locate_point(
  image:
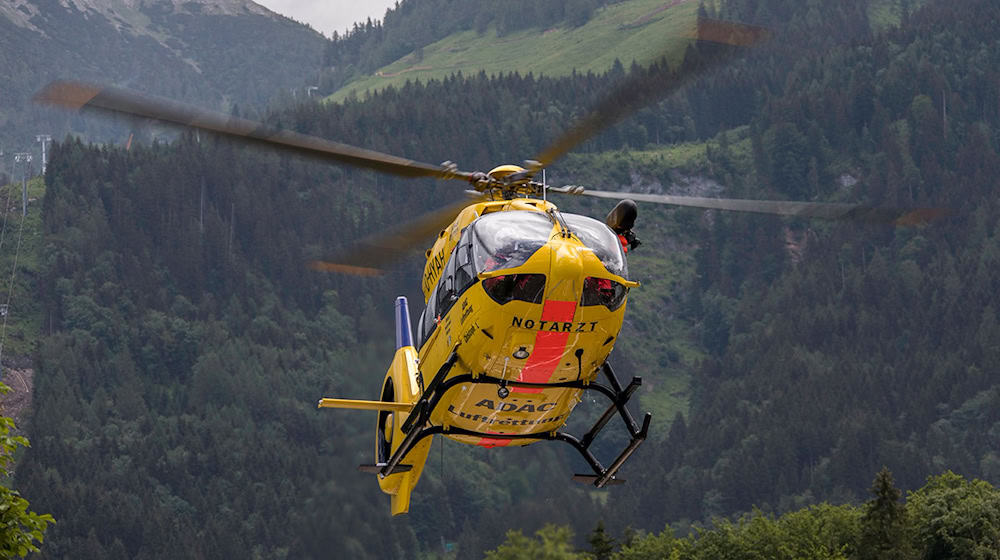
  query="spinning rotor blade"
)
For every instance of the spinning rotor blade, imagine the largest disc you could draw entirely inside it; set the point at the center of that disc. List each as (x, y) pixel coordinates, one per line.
(652, 84)
(368, 256)
(79, 95)
(823, 210)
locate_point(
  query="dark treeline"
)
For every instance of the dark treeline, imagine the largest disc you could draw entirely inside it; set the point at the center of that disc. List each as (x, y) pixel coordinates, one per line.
(186, 344)
(925, 526)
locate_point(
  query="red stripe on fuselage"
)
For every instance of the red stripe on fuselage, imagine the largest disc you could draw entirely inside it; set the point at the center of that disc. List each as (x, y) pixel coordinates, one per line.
(493, 442)
(549, 349)
(562, 311)
(549, 345)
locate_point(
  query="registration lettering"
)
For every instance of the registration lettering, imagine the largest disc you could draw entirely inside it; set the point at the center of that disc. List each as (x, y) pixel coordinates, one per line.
(489, 419)
(554, 326)
(513, 407)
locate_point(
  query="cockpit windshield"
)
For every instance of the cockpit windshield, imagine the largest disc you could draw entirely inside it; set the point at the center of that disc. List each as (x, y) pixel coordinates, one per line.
(508, 239)
(599, 238)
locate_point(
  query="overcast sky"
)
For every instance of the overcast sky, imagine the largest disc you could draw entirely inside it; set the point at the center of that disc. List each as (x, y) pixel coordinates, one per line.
(327, 16)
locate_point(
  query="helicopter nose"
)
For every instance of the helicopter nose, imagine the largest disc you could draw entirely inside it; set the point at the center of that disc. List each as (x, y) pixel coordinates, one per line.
(566, 273)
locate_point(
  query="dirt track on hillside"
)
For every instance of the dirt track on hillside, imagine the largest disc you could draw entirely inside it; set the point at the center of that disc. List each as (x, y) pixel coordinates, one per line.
(15, 402)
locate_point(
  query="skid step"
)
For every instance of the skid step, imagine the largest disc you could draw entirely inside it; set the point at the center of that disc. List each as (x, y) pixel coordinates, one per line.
(592, 478)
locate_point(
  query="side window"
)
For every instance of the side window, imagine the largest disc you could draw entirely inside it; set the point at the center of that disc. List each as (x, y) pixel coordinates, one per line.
(420, 331)
(445, 293)
(457, 276)
(428, 320)
(465, 274)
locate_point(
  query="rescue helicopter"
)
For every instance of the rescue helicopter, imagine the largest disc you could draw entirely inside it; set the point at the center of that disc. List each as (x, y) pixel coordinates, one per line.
(523, 303)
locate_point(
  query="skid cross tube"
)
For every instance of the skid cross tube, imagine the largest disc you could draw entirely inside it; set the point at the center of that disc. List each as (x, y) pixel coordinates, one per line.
(416, 426)
(618, 404)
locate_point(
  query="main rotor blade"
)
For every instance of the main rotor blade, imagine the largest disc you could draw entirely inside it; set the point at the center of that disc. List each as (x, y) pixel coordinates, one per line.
(368, 256)
(652, 84)
(80, 95)
(822, 210)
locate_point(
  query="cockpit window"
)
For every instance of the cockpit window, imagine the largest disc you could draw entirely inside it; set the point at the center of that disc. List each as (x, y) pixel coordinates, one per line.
(508, 239)
(600, 239)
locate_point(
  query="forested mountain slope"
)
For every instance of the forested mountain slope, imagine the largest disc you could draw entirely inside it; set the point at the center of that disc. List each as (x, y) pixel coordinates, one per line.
(876, 346)
(218, 53)
(186, 345)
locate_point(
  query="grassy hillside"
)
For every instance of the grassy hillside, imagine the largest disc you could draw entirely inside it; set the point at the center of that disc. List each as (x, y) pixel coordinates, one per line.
(889, 13)
(639, 30)
(632, 30)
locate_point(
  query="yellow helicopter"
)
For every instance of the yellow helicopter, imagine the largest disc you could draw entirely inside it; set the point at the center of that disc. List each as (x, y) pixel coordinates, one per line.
(524, 303)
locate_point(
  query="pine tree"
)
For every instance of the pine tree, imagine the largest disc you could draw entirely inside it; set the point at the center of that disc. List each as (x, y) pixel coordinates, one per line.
(602, 545)
(883, 525)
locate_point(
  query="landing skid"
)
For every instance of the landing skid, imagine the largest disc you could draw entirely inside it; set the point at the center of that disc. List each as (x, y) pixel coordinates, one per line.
(416, 427)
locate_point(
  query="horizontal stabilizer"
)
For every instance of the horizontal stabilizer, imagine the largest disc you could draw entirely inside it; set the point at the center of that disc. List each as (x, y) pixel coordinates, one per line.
(377, 468)
(365, 405)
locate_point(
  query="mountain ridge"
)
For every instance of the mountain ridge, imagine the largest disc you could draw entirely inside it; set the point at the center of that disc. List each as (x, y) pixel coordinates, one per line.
(214, 53)
(21, 12)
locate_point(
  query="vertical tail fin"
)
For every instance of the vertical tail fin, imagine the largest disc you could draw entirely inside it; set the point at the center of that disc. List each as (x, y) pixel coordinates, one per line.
(404, 335)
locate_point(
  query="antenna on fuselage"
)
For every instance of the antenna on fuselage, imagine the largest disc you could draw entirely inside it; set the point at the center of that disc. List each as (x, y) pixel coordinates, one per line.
(545, 186)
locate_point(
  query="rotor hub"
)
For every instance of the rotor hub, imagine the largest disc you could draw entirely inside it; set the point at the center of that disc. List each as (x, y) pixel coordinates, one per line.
(509, 181)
